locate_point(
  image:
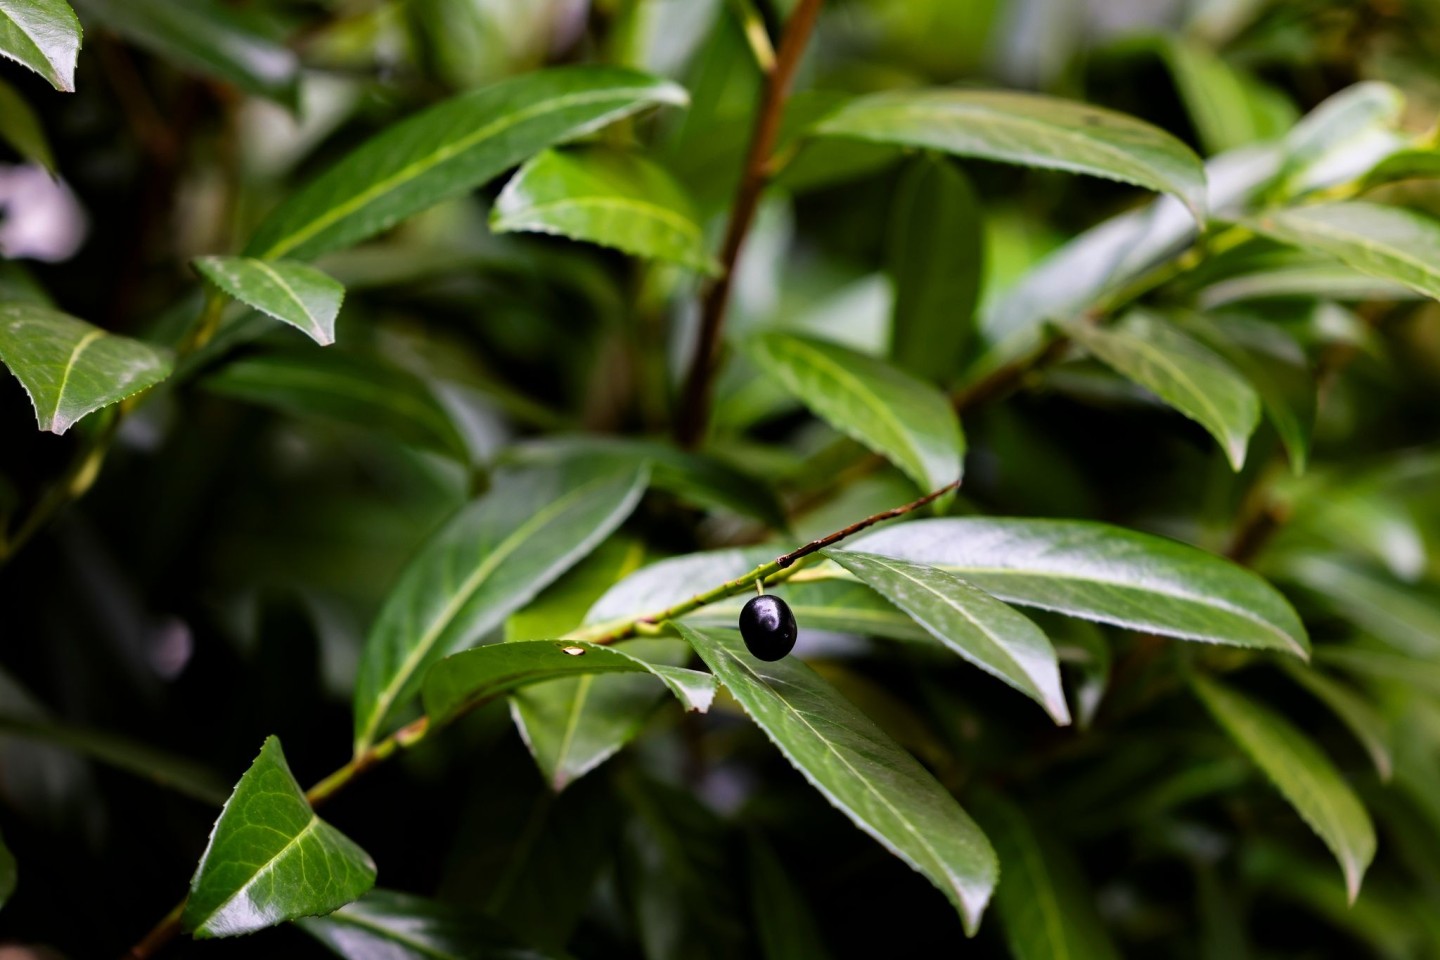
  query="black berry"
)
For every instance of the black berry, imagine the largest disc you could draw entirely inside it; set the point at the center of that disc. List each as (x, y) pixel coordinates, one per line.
(768, 627)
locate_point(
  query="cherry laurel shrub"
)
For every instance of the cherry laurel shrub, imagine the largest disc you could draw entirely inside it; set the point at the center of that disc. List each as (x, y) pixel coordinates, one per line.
(427, 391)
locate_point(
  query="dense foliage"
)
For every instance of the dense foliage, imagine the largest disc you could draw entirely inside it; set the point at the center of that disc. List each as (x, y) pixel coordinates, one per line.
(423, 388)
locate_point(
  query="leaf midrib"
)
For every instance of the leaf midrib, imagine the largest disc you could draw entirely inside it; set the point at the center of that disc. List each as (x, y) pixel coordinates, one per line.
(79, 348)
(1370, 246)
(316, 328)
(262, 868)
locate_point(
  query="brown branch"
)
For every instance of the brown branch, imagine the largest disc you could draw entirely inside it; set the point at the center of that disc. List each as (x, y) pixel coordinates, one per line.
(694, 411)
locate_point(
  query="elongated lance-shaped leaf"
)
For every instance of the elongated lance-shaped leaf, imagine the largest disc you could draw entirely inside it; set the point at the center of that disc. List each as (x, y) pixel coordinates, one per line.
(8, 872)
(986, 632)
(1100, 572)
(70, 368)
(1302, 773)
(612, 198)
(1363, 720)
(20, 127)
(785, 925)
(271, 859)
(1027, 129)
(475, 676)
(888, 410)
(44, 35)
(486, 563)
(296, 293)
(1386, 242)
(450, 149)
(859, 770)
(385, 925)
(1184, 373)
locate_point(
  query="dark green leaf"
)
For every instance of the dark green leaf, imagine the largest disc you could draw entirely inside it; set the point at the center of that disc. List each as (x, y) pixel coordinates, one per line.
(485, 563)
(450, 149)
(1105, 573)
(1405, 616)
(1302, 275)
(271, 859)
(20, 127)
(70, 368)
(935, 258)
(1364, 722)
(7, 872)
(1302, 773)
(889, 411)
(1405, 673)
(1185, 374)
(1229, 107)
(293, 292)
(385, 925)
(860, 770)
(970, 622)
(1027, 129)
(784, 923)
(613, 198)
(44, 35)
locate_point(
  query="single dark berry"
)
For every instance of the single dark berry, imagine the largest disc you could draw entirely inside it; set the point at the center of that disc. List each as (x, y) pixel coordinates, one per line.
(768, 627)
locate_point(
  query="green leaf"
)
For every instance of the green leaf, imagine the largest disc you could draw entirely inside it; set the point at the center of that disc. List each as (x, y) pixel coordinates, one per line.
(1406, 673)
(296, 293)
(357, 389)
(450, 149)
(837, 605)
(208, 37)
(1099, 572)
(1185, 374)
(1045, 906)
(1229, 107)
(20, 128)
(1405, 616)
(1027, 129)
(475, 676)
(43, 35)
(970, 622)
(1301, 275)
(613, 198)
(859, 770)
(889, 411)
(1302, 773)
(1384, 242)
(1359, 716)
(935, 255)
(489, 560)
(666, 582)
(70, 368)
(1419, 163)
(785, 925)
(1342, 138)
(385, 925)
(271, 859)
(7, 872)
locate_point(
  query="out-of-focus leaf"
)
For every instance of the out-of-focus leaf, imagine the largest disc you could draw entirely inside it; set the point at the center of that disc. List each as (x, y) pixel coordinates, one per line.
(838, 605)
(784, 923)
(296, 293)
(1303, 775)
(935, 258)
(1082, 646)
(1359, 716)
(1028, 129)
(1228, 107)
(1301, 275)
(208, 37)
(1099, 572)
(860, 770)
(357, 389)
(1386, 242)
(889, 411)
(8, 872)
(1403, 615)
(981, 629)
(44, 35)
(1420, 163)
(385, 925)
(70, 368)
(1342, 138)
(1406, 673)
(450, 149)
(489, 560)
(20, 127)
(484, 673)
(1044, 903)
(613, 198)
(271, 859)
(1185, 374)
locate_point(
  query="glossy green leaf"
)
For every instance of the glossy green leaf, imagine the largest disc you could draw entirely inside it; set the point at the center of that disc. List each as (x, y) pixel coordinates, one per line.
(44, 35)
(862, 772)
(70, 368)
(208, 37)
(489, 560)
(271, 859)
(385, 925)
(840, 605)
(785, 925)
(1100, 572)
(1358, 715)
(981, 629)
(1385, 242)
(935, 257)
(1027, 129)
(612, 198)
(891, 412)
(484, 673)
(1045, 907)
(358, 389)
(449, 150)
(8, 872)
(1302, 773)
(20, 127)
(666, 582)
(561, 607)
(1420, 163)
(296, 293)
(1185, 374)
